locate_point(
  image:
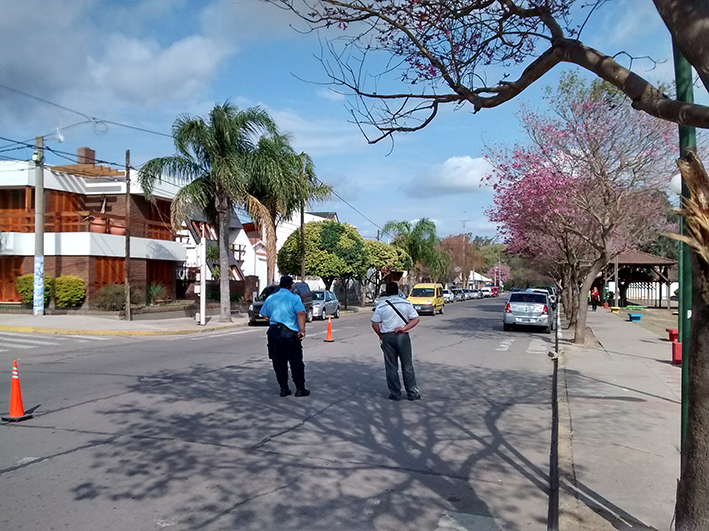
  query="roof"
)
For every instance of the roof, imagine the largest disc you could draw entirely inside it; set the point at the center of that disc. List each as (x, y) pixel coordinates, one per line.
(640, 258)
(327, 215)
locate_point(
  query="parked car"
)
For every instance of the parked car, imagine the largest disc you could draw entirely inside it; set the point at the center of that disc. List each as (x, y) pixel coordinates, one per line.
(528, 308)
(325, 303)
(448, 296)
(476, 294)
(427, 298)
(459, 295)
(466, 294)
(549, 290)
(383, 296)
(486, 291)
(495, 291)
(299, 288)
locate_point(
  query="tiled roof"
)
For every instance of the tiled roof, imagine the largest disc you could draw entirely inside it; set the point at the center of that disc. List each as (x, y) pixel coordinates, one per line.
(640, 258)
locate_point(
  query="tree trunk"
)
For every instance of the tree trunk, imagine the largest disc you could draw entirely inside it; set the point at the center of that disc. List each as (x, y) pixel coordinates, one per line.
(693, 490)
(692, 510)
(271, 251)
(574, 294)
(223, 240)
(580, 329)
(328, 282)
(344, 285)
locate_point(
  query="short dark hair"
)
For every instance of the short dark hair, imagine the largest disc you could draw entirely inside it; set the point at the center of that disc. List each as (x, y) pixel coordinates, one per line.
(286, 281)
(392, 288)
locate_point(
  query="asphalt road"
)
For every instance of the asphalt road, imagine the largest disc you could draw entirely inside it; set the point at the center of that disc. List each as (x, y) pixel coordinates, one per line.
(189, 432)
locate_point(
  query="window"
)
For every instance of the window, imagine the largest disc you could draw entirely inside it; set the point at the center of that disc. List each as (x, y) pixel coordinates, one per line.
(422, 292)
(537, 298)
(319, 296)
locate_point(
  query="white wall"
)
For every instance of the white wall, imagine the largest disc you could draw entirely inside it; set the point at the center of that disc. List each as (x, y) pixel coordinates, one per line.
(92, 244)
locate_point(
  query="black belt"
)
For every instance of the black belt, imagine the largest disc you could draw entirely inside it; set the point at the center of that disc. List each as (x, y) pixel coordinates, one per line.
(281, 326)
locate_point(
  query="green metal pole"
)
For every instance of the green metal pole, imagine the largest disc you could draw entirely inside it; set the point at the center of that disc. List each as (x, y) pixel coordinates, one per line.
(687, 139)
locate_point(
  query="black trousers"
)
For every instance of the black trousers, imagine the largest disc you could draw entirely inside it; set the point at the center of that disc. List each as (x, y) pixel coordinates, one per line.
(285, 348)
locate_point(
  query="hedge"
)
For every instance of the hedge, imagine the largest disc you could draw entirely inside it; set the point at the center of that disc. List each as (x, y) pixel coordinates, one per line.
(25, 287)
(69, 290)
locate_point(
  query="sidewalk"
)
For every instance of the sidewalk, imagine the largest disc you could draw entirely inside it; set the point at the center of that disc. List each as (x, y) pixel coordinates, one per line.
(619, 432)
(98, 325)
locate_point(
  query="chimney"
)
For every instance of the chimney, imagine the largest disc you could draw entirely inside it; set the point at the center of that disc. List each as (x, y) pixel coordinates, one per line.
(86, 156)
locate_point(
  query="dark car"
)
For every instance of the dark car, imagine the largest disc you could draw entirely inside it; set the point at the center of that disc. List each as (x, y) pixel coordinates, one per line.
(299, 288)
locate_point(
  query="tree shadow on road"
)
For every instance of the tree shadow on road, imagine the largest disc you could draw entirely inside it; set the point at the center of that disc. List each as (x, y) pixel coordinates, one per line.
(223, 450)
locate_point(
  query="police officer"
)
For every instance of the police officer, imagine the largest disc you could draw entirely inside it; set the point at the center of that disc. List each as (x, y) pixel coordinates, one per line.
(392, 321)
(285, 312)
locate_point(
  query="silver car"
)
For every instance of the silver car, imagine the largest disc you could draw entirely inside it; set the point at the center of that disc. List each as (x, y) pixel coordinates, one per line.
(448, 296)
(528, 308)
(325, 304)
(476, 294)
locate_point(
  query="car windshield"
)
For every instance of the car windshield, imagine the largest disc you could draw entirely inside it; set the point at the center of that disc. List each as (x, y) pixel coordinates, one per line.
(528, 297)
(318, 295)
(422, 292)
(267, 292)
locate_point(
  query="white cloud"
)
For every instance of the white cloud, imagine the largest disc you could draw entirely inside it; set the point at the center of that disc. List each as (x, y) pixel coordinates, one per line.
(142, 72)
(457, 175)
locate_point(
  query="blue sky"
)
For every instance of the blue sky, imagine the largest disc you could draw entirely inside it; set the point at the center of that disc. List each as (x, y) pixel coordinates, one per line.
(144, 62)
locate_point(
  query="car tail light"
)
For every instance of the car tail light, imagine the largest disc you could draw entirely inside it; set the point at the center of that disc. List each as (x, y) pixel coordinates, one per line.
(546, 310)
(507, 308)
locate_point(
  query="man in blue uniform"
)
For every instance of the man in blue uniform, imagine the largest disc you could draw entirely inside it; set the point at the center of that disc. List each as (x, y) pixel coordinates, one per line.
(392, 321)
(285, 312)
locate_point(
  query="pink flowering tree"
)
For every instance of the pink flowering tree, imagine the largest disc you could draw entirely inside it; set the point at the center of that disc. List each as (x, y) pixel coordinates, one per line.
(584, 189)
(500, 273)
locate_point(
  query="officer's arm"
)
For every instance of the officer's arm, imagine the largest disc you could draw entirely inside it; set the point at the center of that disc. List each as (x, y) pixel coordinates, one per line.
(301, 324)
(376, 328)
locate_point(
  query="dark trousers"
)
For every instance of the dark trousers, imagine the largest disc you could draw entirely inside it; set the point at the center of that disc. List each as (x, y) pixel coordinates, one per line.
(284, 347)
(594, 304)
(397, 347)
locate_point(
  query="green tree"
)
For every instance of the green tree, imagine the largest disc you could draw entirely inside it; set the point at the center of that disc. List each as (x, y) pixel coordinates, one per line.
(383, 258)
(211, 160)
(418, 239)
(280, 182)
(333, 250)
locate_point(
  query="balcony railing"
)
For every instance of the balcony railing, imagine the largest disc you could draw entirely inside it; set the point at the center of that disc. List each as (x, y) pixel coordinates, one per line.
(86, 222)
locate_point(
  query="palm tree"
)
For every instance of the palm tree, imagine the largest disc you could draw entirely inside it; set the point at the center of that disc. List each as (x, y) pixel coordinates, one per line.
(212, 158)
(279, 183)
(419, 240)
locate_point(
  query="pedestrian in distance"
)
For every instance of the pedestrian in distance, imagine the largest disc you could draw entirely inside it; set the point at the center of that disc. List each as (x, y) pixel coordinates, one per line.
(595, 298)
(392, 321)
(285, 313)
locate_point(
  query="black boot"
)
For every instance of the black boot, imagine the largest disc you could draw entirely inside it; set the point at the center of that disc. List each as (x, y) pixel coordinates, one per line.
(285, 391)
(300, 389)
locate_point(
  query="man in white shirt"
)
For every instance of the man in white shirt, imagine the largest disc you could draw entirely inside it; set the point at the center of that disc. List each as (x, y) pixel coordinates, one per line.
(392, 321)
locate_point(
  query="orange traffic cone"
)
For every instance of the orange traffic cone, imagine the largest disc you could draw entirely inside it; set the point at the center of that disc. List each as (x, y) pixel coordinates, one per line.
(17, 412)
(328, 338)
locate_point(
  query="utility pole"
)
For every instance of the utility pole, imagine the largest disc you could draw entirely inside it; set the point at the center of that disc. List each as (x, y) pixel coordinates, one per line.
(127, 251)
(464, 274)
(38, 157)
(687, 140)
(203, 277)
(302, 242)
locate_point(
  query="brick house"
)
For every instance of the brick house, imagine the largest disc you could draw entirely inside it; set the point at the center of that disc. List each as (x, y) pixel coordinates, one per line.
(85, 220)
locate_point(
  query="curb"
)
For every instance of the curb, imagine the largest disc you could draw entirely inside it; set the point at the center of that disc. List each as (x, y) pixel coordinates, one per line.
(82, 332)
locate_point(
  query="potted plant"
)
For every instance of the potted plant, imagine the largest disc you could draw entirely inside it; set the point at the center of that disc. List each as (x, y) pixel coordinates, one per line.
(117, 229)
(97, 225)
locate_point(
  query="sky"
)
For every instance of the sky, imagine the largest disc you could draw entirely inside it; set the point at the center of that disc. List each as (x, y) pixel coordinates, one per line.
(74, 66)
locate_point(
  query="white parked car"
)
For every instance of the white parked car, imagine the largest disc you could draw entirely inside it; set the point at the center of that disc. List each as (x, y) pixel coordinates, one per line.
(486, 291)
(448, 296)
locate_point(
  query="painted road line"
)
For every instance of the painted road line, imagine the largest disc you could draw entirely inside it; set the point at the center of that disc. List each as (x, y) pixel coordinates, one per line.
(199, 337)
(23, 341)
(505, 345)
(21, 347)
(90, 338)
(537, 346)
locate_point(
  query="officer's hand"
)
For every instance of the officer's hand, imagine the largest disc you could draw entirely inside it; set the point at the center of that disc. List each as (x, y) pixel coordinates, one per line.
(301, 335)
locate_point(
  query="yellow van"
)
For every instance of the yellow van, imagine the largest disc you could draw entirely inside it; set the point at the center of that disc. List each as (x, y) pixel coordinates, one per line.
(427, 298)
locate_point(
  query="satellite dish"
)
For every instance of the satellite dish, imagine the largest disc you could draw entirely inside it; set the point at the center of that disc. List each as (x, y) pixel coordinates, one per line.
(59, 137)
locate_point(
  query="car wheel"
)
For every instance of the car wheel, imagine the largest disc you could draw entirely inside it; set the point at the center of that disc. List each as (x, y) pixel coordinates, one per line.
(309, 316)
(337, 313)
(443, 309)
(547, 330)
(505, 327)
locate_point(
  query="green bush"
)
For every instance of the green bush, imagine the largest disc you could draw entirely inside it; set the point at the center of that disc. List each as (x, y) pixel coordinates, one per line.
(153, 291)
(112, 297)
(25, 287)
(69, 290)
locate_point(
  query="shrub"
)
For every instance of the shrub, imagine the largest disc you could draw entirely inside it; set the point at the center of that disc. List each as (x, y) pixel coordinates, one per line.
(69, 291)
(25, 287)
(112, 297)
(153, 291)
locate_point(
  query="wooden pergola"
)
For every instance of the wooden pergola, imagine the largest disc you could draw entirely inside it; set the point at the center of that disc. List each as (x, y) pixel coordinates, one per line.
(88, 170)
(659, 265)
